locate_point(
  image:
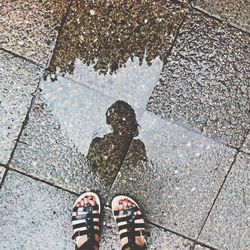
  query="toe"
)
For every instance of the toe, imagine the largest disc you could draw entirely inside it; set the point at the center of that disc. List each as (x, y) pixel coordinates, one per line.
(121, 205)
(125, 203)
(86, 201)
(92, 201)
(82, 203)
(129, 204)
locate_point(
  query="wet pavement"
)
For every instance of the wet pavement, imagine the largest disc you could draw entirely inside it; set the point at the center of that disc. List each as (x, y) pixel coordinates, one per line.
(146, 98)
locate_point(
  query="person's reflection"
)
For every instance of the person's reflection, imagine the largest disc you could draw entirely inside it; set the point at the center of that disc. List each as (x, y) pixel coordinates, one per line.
(107, 154)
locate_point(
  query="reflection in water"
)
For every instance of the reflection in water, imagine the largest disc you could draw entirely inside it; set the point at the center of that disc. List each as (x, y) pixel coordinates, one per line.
(106, 34)
(106, 154)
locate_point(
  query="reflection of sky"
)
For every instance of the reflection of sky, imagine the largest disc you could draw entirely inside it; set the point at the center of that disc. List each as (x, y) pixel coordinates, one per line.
(133, 83)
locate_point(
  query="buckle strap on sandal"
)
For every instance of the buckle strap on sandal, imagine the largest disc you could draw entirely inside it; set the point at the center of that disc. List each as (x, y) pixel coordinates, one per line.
(131, 210)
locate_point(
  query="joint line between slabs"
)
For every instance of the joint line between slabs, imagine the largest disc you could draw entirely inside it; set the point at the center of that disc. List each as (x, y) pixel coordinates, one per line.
(217, 195)
(26, 119)
(43, 181)
(220, 19)
(22, 57)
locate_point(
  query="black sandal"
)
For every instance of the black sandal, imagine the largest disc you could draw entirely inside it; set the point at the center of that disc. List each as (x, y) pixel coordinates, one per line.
(84, 221)
(129, 223)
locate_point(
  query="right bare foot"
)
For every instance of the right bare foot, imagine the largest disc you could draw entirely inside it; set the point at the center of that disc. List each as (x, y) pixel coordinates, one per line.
(130, 222)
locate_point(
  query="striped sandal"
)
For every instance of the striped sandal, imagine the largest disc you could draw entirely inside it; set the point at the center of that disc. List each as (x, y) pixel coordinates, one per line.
(130, 222)
(86, 221)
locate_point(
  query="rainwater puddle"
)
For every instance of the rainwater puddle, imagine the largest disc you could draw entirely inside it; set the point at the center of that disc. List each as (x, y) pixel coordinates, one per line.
(107, 60)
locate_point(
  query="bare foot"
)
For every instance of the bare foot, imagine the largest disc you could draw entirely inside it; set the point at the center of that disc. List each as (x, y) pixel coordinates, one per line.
(78, 213)
(124, 204)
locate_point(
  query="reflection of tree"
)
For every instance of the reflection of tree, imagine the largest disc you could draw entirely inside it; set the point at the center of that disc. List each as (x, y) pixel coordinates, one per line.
(107, 154)
(108, 33)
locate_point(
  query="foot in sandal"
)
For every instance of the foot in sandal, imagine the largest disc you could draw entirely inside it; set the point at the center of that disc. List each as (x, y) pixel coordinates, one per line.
(86, 221)
(130, 222)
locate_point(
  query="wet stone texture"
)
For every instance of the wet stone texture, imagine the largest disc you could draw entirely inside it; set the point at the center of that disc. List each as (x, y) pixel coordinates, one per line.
(205, 82)
(177, 186)
(34, 215)
(29, 28)
(246, 145)
(19, 80)
(158, 239)
(2, 171)
(227, 226)
(236, 12)
(67, 123)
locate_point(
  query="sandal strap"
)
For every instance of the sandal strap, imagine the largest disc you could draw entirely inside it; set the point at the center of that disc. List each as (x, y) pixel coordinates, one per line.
(87, 208)
(131, 210)
(135, 233)
(85, 216)
(89, 233)
(84, 224)
(135, 225)
(129, 217)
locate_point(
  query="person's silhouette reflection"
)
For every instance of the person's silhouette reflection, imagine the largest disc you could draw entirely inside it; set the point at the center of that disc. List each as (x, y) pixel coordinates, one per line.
(107, 154)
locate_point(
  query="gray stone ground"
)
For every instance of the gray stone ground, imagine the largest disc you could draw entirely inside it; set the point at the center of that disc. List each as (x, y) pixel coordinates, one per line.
(194, 113)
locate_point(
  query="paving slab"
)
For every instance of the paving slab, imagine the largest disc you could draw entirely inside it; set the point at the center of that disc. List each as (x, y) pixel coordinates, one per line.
(67, 127)
(227, 226)
(236, 12)
(246, 145)
(123, 56)
(2, 171)
(29, 28)
(34, 214)
(178, 184)
(159, 239)
(19, 79)
(205, 81)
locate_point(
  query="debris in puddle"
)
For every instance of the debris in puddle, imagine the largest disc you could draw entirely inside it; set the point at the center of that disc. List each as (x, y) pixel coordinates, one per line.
(106, 34)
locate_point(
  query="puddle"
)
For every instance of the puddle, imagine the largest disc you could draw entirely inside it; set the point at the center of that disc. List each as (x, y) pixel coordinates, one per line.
(107, 34)
(107, 60)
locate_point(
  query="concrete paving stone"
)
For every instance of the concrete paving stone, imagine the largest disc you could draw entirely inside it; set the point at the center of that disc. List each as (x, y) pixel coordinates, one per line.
(246, 145)
(159, 239)
(65, 120)
(177, 186)
(18, 80)
(124, 60)
(29, 27)
(205, 81)
(34, 215)
(2, 171)
(227, 226)
(234, 11)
